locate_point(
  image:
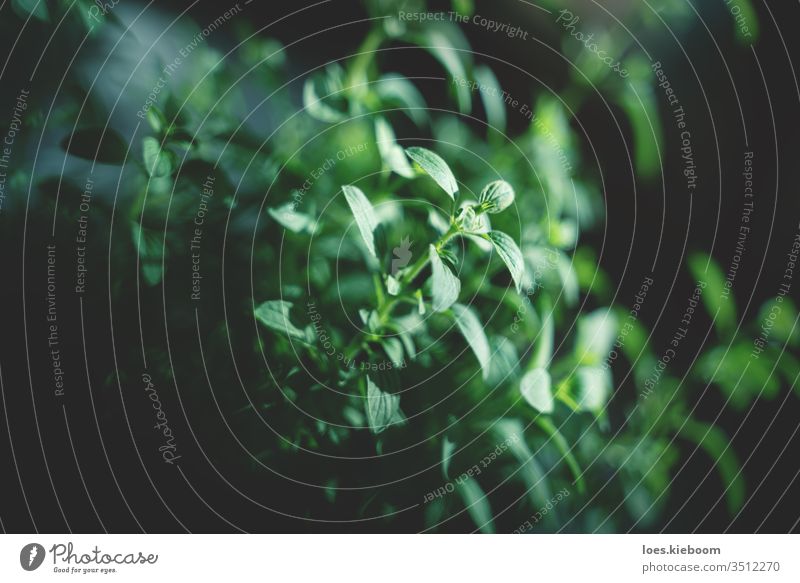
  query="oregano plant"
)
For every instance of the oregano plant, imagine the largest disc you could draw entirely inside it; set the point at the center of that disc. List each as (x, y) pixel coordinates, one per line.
(430, 283)
(405, 326)
(389, 270)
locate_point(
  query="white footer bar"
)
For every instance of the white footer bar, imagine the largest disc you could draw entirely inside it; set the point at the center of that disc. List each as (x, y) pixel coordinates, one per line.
(390, 558)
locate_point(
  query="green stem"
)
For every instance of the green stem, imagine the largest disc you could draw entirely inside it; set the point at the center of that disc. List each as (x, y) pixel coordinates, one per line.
(563, 395)
(384, 307)
(354, 347)
(415, 270)
(424, 258)
(379, 295)
(547, 425)
(544, 348)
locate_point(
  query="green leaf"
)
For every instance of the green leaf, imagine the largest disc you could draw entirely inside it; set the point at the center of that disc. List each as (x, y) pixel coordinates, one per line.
(563, 233)
(157, 161)
(644, 482)
(778, 320)
(643, 115)
(510, 254)
(472, 330)
(445, 286)
(593, 387)
(391, 153)
(436, 168)
(34, 8)
(150, 248)
(504, 365)
(156, 119)
(496, 196)
(569, 279)
(91, 16)
(719, 302)
(636, 346)
(552, 269)
(561, 444)
(94, 144)
(274, 314)
(440, 43)
(597, 333)
(740, 376)
(591, 279)
(448, 447)
(383, 409)
(287, 217)
(330, 84)
(535, 387)
(392, 285)
(370, 319)
(364, 214)
(714, 441)
(464, 7)
(477, 504)
(788, 366)
(554, 164)
(408, 344)
(531, 472)
(353, 416)
(394, 350)
(420, 302)
(492, 97)
(396, 89)
(748, 15)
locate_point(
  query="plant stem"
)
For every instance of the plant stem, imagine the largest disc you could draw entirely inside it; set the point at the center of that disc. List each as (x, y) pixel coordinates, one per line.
(357, 74)
(544, 348)
(384, 307)
(424, 258)
(563, 395)
(379, 295)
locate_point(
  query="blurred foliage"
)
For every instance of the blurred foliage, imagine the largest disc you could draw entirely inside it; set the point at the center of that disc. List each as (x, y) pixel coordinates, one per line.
(395, 246)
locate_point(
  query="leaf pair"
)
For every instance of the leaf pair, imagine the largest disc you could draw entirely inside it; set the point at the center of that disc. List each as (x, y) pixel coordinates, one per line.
(494, 198)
